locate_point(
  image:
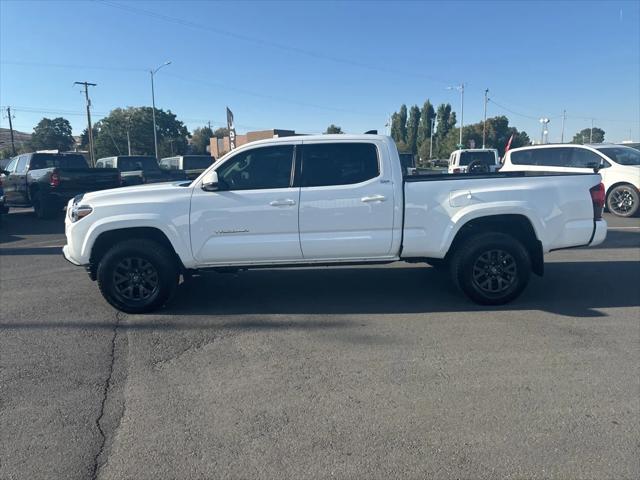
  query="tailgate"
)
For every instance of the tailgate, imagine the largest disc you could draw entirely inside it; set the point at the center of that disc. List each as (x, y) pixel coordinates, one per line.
(82, 180)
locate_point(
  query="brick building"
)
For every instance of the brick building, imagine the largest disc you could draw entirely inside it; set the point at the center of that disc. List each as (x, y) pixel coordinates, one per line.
(220, 146)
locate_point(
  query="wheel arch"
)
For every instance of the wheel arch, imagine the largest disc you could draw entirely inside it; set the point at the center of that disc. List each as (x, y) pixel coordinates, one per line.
(618, 184)
(516, 225)
(107, 239)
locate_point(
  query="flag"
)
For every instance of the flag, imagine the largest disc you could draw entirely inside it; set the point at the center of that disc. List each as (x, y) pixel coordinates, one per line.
(232, 129)
(508, 144)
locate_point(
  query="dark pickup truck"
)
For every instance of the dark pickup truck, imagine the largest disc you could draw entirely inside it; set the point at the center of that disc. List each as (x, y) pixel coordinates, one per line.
(138, 169)
(190, 166)
(47, 181)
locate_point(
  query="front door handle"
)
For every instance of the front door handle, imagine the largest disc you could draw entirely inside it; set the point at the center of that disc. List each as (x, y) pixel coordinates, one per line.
(373, 198)
(282, 203)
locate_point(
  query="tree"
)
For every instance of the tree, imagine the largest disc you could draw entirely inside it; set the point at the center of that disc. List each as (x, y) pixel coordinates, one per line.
(333, 129)
(53, 134)
(585, 136)
(221, 132)
(446, 122)
(200, 140)
(399, 127)
(412, 129)
(111, 137)
(424, 129)
(498, 134)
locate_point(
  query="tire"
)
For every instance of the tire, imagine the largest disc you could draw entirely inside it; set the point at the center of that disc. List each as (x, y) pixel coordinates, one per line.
(41, 208)
(138, 275)
(623, 200)
(491, 268)
(477, 166)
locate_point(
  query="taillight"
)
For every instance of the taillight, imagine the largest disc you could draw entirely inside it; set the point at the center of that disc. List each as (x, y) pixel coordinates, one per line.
(456, 170)
(54, 179)
(597, 197)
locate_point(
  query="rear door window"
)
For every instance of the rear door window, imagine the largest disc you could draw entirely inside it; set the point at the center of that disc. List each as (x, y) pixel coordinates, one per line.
(583, 158)
(325, 164)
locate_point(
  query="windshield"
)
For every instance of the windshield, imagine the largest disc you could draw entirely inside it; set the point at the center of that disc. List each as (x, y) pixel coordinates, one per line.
(57, 160)
(197, 161)
(622, 155)
(129, 164)
(486, 157)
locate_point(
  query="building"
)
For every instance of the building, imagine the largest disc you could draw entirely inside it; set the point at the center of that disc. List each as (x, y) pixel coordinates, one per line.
(220, 146)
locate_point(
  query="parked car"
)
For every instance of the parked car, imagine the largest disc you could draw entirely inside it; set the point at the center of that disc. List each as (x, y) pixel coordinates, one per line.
(474, 160)
(138, 169)
(330, 200)
(189, 166)
(3, 206)
(46, 181)
(619, 166)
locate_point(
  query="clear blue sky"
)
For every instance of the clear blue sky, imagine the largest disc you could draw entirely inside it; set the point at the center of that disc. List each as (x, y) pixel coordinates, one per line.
(304, 65)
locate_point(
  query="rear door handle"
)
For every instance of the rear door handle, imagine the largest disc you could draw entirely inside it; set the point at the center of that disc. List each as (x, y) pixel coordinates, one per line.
(282, 203)
(373, 198)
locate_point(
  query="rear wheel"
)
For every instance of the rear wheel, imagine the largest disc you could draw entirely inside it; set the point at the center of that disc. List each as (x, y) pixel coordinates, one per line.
(41, 207)
(138, 275)
(623, 200)
(491, 268)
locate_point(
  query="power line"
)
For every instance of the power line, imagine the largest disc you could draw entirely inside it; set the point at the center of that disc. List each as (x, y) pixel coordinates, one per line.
(267, 43)
(66, 65)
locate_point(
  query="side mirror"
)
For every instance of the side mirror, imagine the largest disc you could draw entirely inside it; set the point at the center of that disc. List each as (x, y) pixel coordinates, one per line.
(210, 181)
(4, 172)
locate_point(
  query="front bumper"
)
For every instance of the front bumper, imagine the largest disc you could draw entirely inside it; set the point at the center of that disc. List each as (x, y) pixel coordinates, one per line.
(599, 233)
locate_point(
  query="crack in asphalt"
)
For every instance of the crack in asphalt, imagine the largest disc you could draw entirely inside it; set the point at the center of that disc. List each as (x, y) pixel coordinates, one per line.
(105, 392)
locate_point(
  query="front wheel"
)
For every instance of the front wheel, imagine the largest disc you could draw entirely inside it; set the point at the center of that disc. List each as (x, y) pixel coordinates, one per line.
(623, 201)
(138, 275)
(491, 268)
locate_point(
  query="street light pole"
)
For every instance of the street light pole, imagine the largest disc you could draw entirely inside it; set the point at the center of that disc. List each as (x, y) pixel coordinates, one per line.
(433, 121)
(153, 104)
(544, 122)
(564, 118)
(460, 88)
(484, 123)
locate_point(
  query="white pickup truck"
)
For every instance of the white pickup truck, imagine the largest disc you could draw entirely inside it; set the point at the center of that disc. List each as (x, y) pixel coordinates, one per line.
(329, 200)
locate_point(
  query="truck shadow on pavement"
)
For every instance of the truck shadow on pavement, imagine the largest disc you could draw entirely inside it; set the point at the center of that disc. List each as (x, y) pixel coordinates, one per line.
(577, 289)
(250, 300)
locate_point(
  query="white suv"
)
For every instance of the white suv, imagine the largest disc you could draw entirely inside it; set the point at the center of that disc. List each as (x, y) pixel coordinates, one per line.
(474, 160)
(619, 167)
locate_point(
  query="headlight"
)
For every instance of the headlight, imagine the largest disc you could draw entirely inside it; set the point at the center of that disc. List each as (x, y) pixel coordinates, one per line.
(78, 212)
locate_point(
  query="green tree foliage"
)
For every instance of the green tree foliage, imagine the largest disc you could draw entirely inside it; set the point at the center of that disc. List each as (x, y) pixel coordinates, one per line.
(111, 137)
(333, 129)
(221, 132)
(446, 121)
(84, 138)
(200, 140)
(399, 128)
(427, 114)
(412, 129)
(52, 134)
(498, 134)
(585, 136)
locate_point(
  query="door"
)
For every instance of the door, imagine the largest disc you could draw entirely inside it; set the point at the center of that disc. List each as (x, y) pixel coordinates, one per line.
(346, 202)
(253, 217)
(16, 184)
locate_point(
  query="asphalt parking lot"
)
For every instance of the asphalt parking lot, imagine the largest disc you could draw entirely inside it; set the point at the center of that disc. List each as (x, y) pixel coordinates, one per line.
(377, 372)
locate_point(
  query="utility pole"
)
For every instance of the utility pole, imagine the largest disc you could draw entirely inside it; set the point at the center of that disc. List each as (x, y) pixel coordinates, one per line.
(484, 124)
(13, 145)
(89, 129)
(564, 118)
(591, 132)
(209, 124)
(153, 101)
